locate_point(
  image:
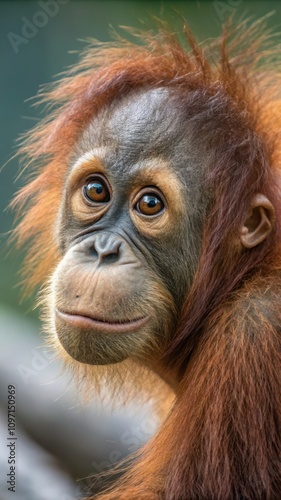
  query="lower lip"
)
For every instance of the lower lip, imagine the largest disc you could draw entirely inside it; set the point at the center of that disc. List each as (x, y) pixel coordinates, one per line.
(85, 322)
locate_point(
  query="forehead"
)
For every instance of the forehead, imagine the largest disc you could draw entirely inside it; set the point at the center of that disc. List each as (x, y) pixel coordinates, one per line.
(146, 121)
(143, 125)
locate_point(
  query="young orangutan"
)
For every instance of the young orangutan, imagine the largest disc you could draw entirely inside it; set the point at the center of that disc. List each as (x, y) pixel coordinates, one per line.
(155, 208)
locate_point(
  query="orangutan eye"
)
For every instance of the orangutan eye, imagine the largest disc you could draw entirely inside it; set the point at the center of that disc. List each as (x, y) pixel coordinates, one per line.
(96, 190)
(150, 204)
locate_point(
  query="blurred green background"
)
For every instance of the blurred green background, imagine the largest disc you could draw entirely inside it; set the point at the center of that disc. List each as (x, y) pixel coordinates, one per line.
(39, 39)
(35, 47)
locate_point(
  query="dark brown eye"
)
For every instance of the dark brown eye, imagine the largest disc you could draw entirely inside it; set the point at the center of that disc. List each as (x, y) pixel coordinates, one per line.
(150, 204)
(96, 190)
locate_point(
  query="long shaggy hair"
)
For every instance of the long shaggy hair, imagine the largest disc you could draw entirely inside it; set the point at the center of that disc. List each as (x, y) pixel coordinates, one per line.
(222, 438)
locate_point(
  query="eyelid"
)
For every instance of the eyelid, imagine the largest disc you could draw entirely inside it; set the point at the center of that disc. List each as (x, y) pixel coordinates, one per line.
(149, 190)
(83, 171)
(154, 191)
(92, 177)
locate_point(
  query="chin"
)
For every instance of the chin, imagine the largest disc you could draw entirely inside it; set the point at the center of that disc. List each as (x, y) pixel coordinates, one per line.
(95, 342)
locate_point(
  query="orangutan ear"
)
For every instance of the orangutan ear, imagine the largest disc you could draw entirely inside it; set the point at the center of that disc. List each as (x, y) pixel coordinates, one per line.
(258, 223)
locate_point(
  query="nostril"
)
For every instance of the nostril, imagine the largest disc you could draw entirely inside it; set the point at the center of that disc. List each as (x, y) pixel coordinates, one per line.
(110, 258)
(90, 248)
(93, 252)
(110, 252)
(105, 250)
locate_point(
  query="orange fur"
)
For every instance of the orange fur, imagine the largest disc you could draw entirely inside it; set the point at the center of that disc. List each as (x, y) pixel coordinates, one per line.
(222, 439)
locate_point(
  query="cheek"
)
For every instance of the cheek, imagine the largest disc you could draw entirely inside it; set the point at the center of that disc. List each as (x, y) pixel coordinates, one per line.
(178, 264)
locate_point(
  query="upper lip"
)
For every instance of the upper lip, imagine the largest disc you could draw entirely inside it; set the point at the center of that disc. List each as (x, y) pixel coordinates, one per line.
(87, 321)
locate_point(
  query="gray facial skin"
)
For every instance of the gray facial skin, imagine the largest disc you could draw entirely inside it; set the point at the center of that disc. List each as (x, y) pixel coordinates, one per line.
(142, 142)
(140, 128)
